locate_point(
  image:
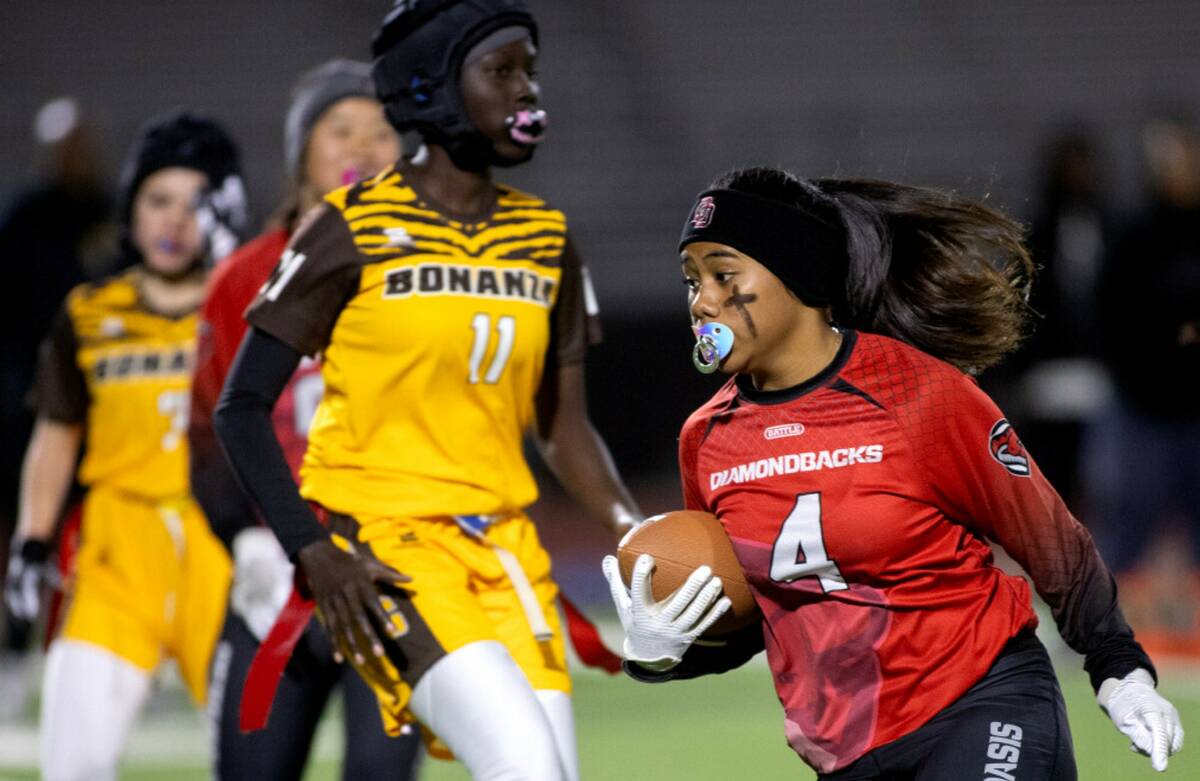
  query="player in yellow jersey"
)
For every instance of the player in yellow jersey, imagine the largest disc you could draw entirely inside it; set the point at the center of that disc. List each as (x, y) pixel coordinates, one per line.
(114, 375)
(452, 316)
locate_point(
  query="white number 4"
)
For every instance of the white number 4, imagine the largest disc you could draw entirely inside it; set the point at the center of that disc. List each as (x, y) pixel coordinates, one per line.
(799, 550)
(506, 328)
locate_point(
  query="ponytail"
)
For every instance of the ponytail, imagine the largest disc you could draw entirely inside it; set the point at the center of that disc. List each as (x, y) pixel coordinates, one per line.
(944, 274)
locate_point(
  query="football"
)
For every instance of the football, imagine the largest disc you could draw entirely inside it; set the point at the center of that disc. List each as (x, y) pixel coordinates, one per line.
(681, 541)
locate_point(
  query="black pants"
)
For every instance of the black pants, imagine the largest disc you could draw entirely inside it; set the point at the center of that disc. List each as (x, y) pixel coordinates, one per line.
(1010, 725)
(280, 751)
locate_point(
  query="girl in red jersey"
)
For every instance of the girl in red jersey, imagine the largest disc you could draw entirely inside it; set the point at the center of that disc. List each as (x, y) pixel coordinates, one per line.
(860, 473)
(334, 132)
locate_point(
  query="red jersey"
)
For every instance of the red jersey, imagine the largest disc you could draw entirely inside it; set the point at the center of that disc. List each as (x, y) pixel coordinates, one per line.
(860, 504)
(231, 288)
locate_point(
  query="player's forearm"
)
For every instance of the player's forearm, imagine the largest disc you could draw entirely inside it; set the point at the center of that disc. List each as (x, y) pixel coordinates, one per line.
(576, 454)
(1066, 569)
(582, 464)
(706, 657)
(1090, 620)
(46, 477)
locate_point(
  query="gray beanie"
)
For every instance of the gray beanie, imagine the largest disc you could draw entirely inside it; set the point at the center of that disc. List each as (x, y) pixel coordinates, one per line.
(317, 90)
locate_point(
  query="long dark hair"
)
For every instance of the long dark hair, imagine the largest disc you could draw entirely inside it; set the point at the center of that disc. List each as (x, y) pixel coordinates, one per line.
(945, 274)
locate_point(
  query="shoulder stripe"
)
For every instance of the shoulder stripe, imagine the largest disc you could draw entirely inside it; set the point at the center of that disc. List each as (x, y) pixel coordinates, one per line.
(499, 250)
(530, 214)
(510, 196)
(387, 192)
(352, 213)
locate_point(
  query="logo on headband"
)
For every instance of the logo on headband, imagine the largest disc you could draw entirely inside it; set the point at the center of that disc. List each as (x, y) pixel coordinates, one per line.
(703, 214)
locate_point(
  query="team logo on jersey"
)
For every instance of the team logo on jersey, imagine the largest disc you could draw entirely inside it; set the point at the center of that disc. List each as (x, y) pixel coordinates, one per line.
(783, 430)
(791, 463)
(703, 213)
(398, 236)
(112, 327)
(1007, 449)
(140, 364)
(442, 279)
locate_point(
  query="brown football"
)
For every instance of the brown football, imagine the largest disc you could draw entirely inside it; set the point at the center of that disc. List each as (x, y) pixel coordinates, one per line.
(680, 542)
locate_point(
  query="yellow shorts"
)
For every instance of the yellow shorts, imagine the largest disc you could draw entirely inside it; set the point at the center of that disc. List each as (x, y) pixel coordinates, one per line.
(460, 594)
(150, 580)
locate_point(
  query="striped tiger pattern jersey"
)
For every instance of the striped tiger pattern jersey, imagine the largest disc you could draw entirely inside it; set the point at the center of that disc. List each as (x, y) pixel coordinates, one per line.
(434, 333)
(113, 363)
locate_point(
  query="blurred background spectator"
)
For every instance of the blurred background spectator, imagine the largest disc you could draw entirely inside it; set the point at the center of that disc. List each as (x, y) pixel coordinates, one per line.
(1142, 461)
(54, 233)
(1062, 382)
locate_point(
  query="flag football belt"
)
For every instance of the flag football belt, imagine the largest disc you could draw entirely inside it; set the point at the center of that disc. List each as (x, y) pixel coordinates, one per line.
(476, 526)
(271, 659)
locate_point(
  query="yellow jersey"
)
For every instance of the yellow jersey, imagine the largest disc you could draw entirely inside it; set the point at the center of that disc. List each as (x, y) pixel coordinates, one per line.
(123, 370)
(434, 334)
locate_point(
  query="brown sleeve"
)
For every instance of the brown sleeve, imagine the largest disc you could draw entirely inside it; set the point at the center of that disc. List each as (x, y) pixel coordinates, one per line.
(318, 273)
(60, 390)
(576, 315)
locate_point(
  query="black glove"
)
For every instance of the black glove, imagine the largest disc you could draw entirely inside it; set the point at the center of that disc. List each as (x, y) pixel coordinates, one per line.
(29, 569)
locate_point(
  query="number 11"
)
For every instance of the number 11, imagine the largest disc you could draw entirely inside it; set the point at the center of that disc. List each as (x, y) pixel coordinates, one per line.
(481, 324)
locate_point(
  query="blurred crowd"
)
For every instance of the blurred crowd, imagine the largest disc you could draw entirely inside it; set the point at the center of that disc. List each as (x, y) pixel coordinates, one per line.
(1107, 388)
(1105, 394)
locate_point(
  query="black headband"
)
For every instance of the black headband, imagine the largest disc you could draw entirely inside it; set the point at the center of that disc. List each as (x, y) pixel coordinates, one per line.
(806, 251)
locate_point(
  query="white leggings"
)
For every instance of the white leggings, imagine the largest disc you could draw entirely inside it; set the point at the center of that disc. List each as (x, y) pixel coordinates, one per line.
(480, 704)
(90, 698)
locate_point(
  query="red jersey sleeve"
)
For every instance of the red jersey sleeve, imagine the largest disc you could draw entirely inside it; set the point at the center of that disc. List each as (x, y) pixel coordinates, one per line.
(231, 288)
(221, 330)
(980, 475)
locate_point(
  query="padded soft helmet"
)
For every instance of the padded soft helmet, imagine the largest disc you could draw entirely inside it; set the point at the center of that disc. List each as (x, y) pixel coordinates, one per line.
(186, 139)
(419, 53)
(178, 138)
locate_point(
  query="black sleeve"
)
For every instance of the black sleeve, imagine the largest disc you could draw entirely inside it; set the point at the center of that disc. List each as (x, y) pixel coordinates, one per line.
(706, 657)
(60, 390)
(242, 420)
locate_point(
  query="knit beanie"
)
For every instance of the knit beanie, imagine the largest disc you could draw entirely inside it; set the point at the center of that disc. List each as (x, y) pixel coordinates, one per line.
(316, 91)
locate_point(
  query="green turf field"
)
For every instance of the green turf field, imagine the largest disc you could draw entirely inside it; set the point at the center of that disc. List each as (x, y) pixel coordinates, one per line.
(723, 727)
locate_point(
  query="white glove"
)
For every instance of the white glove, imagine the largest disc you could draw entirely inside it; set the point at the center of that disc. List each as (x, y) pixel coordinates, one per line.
(1143, 716)
(262, 579)
(658, 633)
